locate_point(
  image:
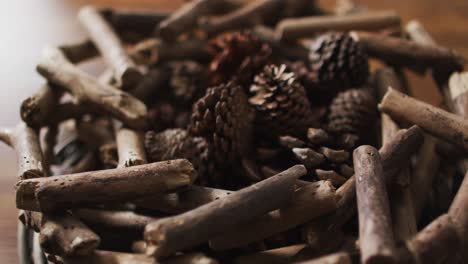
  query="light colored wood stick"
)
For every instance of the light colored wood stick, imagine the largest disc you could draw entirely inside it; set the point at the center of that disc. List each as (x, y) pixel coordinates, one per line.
(130, 146)
(250, 14)
(335, 258)
(109, 45)
(61, 234)
(139, 247)
(72, 190)
(169, 235)
(304, 27)
(175, 203)
(330, 175)
(111, 257)
(272, 256)
(458, 87)
(124, 107)
(375, 227)
(440, 123)
(310, 201)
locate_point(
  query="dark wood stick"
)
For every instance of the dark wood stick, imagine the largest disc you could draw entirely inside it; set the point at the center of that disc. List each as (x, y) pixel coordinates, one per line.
(306, 27)
(401, 52)
(130, 146)
(115, 220)
(151, 51)
(109, 45)
(192, 228)
(440, 123)
(57, 69)
(335, 258)
(111, 257)
(318, 136)
(395, 155)
(290, 50)
(252, 13)
(272, 256)
(151, 84)
(436, 243)
(36, 109)
(310, 201)
(66, 191)
(134, 21)
(174, 203)
(80, 51)
(459, 213)
(375, 227)
(25, 141)
(185, 18)
(61, 234)
(401, 202)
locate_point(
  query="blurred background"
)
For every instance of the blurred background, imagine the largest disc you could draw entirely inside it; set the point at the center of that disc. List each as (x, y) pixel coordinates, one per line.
(27, 26)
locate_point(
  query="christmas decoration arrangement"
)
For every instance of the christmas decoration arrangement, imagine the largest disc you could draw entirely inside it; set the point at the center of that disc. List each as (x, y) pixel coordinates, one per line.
(256, 132)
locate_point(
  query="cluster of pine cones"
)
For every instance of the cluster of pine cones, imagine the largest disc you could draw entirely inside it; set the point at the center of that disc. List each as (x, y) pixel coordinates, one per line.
(249, 113)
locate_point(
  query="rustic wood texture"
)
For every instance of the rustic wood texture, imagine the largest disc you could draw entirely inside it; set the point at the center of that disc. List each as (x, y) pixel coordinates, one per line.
(58, 26)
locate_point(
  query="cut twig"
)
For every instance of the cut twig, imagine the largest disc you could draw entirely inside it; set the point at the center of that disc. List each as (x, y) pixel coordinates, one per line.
(130, 146)
(65, 191)
(25, 142)
(306, 27)
(85, 88)
(333, 155)
(80, 51)
(180, 202)
(184, 231)
(272, 256)
(61, 234)
(290, 50)
(458, 87)
(109, 45)
(435, 121)
(401, 52)
(310, 201)
(375, 227)
(335, 258)
(134, 21)
(330, 175)
(307, 156)
(36, 109)
(253, 13)
(459, 213)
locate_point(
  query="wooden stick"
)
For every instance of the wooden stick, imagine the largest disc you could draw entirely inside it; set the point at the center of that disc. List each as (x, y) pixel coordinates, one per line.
(309, 157)
(272, 256)
(458, 87)
(65, 191)
(459, 213)
(435, 121)
(61, 234)
(395, 155)
(181, 202)
(401, 202)
(126, 108)
(109, 45)
(36, 109)
(289, 50)
(151, 85)
(436, 243)
(130, 146)
(335, 258)
(310, 201)
(304, 27)
(330, 175)
(185, 18)
(192, 228)
(318, 136)
(334, 155)
(134, 21)
(25, 142)
(252, 13)
(375, 227)
(80, 51)
(401, 52)
(111, 257)
(116, 220)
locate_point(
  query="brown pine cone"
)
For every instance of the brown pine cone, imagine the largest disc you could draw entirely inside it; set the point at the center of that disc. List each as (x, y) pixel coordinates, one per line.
(187, 80)
(224, 117)
(178, 144)
(352, 114)
(238, 54)
(281, 102)
(337, 62)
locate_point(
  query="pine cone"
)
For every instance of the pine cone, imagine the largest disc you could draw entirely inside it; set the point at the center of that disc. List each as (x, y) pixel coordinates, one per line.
(281, 102)
(352, 114)
(187, 80)
(224, 117)
(238, 54)
(337, 62)
(178, 144)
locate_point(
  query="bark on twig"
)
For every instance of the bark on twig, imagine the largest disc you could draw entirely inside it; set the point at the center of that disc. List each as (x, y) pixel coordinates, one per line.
(57, 69)
(111, 257)
(306, 27)
(66, 191)
(167, 236)
(109, 45)
(272, 256)
(375, 227)
(114, 220)
(130, 146)
(435, 121)
(310, 201)
(181, 202)
(36, 109)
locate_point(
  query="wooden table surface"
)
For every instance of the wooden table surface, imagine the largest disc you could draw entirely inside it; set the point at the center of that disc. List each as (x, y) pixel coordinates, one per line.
(27, 26)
